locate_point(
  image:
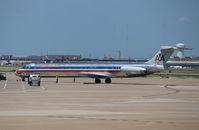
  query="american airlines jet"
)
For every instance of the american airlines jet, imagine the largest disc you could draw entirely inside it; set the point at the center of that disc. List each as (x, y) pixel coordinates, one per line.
(99, 71)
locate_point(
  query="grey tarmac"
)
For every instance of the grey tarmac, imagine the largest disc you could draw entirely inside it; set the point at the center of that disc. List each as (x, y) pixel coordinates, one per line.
(126, 104)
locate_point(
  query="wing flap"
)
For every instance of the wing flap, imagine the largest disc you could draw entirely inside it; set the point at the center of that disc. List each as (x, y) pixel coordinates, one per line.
(95, 74)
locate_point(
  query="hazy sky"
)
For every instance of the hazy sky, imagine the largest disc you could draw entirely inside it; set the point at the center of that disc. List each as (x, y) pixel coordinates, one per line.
(97, 27)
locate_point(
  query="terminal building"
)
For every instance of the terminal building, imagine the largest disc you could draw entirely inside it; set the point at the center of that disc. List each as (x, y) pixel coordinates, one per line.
(181, 61)
(20, 60)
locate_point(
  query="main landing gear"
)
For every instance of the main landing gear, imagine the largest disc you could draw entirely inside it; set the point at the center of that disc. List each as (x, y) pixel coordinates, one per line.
(97, 81)
(107, 80)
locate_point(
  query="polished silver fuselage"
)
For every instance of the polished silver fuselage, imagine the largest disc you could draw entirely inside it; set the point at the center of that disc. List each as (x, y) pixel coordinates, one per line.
(82, 70)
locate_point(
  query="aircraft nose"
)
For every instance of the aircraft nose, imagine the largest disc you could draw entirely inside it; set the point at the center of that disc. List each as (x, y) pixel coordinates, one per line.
(17, 72)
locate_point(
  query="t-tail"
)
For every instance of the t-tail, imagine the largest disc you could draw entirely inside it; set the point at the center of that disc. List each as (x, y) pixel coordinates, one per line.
(162, 56)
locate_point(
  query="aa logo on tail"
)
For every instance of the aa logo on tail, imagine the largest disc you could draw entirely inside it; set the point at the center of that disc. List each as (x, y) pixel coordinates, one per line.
(159, 57)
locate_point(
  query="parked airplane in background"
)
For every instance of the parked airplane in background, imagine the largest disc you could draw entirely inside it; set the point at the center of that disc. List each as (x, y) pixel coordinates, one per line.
(99, 70)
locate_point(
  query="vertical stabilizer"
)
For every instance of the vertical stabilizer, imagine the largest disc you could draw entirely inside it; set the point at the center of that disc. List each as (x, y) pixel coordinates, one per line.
(162, 56)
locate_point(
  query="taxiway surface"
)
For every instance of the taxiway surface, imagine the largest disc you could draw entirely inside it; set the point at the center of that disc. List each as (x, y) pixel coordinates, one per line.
(126, 104)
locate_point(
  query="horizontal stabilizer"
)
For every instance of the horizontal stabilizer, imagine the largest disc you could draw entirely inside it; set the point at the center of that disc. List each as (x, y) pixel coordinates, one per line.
(183, 48)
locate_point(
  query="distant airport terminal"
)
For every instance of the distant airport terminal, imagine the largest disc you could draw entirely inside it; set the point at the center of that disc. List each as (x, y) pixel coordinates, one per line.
(13, 60)
(177, 61)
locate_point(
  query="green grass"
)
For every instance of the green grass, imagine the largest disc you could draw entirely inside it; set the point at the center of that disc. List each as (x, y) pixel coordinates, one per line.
(9, 68)
(189, 73)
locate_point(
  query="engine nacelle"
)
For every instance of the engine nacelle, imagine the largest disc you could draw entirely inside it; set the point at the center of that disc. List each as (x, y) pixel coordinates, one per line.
(133, 70)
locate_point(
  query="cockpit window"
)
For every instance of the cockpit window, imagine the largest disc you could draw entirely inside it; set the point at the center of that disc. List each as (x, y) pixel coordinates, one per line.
(24, 67)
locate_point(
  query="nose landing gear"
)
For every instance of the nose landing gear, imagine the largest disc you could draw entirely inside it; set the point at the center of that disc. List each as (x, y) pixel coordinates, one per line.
(23, 79)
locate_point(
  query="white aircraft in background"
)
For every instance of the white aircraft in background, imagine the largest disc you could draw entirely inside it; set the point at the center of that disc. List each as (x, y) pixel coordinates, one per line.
(99, 71)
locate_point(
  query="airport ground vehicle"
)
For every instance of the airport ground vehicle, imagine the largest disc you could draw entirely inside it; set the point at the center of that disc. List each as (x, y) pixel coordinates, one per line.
(2, 76)
(34, 80)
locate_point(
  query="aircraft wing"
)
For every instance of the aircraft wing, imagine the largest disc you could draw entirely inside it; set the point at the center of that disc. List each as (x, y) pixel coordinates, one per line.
(95, 74)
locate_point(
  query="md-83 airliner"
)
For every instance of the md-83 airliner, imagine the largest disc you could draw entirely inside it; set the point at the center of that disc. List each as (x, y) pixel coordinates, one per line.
(99, 71)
